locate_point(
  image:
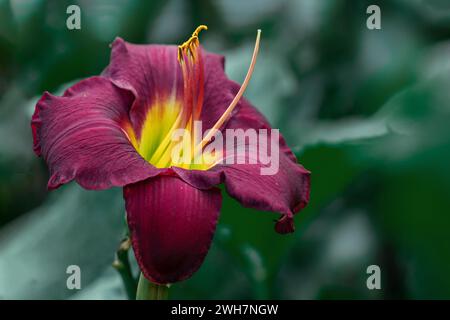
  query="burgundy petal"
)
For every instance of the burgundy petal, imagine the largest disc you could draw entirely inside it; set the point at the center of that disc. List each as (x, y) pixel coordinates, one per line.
(286, 192)
(151, 72)
(171, 225)
(81, 136)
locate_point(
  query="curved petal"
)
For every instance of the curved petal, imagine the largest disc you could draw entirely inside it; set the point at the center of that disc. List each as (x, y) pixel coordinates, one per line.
(286, 191)
(151, 72)
(81, 136)
(171, 225)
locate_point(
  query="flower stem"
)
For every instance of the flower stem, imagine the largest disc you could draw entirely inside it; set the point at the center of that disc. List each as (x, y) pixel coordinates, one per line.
(147, 290)
(122, 265)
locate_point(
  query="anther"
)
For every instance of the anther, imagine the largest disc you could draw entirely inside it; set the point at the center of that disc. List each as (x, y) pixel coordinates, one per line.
(190, 45)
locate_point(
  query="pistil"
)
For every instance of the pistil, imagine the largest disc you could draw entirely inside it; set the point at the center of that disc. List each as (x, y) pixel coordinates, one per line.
(226, 115)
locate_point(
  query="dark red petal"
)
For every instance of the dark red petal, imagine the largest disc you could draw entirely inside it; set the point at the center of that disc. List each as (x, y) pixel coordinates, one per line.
(151, 72)
(81, 136)
(172, 225)
(286, 192)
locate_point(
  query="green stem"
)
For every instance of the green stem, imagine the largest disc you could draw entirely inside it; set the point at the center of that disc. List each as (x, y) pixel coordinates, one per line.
(122, 265)
(147, 290)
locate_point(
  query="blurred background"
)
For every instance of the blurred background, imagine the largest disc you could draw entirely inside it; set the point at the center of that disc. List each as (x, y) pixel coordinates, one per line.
(367, 111)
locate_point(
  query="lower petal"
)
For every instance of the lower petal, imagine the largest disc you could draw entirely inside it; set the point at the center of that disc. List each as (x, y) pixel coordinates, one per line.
(172, 225)
(286, 192)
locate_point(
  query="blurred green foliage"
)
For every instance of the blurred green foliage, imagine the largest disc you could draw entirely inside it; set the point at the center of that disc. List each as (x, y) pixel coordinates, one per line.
(367, 111)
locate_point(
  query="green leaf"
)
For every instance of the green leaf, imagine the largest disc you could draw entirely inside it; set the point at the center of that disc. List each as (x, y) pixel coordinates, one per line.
(74, 227)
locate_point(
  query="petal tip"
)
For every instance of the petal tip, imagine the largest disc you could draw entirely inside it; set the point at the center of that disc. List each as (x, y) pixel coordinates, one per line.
(116, 41)
(285, 225)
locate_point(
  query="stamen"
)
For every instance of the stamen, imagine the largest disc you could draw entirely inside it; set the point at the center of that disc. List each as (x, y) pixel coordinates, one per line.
(236, 99)
(190, 45)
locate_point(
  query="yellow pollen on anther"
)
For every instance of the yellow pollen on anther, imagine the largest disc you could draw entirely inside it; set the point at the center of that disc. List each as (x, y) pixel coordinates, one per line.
(189, 45)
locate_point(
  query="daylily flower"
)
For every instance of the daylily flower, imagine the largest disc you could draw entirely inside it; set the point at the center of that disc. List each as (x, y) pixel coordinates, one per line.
(114, 130)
